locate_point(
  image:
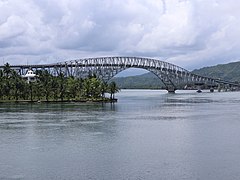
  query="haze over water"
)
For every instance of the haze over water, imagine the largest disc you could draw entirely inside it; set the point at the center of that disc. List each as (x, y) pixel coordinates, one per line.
(148, 134)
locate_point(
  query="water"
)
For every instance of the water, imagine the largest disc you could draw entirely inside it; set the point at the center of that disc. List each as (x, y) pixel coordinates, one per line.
(146, 135)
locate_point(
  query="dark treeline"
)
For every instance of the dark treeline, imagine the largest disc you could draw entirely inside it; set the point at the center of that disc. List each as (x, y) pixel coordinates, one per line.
(47, 87)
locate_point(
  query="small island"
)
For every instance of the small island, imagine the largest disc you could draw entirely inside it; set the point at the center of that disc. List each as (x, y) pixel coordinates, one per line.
(41, 86)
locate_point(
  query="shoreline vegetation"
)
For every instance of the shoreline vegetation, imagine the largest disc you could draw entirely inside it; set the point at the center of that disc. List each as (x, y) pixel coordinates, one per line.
(46, 88)
(105, 100)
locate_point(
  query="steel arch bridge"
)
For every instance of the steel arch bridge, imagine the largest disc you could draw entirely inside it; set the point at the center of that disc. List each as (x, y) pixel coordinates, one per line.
(107, 67)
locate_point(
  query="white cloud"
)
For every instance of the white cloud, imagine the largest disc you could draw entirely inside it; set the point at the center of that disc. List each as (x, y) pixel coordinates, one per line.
(173, 29)
(188, 33)
(8, 29)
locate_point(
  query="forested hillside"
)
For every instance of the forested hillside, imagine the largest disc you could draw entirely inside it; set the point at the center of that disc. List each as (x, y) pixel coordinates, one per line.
(145, 81)
(230, 72)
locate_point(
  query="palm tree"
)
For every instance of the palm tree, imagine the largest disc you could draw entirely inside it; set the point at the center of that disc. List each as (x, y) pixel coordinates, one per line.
(103, 88)
(62, 86)
(87, 87)
(113, 89)
(37, 89)
(7, 84)
(72, 86)
(46, 80)
(7, 69)
(1, 84)
(55, 88)
(16, 83)
(80, 90)
(95, 87)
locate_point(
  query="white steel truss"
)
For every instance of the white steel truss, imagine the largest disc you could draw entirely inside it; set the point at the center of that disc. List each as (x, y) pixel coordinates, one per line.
(107, 67)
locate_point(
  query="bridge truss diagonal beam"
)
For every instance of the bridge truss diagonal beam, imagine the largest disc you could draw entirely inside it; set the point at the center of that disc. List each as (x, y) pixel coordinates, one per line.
(107, 67)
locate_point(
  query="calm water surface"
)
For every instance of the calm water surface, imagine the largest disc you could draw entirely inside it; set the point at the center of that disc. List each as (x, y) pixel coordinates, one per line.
(146, 135)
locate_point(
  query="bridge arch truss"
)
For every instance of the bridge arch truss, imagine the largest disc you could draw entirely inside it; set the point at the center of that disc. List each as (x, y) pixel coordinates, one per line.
(106, 68)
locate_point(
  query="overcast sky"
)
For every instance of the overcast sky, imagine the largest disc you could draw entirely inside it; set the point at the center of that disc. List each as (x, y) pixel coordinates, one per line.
(190, 34)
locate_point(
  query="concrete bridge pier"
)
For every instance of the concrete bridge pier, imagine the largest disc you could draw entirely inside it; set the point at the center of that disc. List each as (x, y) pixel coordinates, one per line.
(211, 89)
(223, 87)
(171, 90)
(199, 86)
(199, 89)
(219, 87)
(228, 87)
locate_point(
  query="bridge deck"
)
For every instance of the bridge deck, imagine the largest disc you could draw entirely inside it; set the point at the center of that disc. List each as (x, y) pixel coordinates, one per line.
(107, 67)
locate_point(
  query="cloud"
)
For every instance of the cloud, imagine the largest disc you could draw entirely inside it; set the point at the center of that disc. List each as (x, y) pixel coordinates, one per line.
(187, 33)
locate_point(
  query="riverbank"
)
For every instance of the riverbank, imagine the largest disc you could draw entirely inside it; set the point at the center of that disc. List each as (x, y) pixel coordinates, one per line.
(85, 100)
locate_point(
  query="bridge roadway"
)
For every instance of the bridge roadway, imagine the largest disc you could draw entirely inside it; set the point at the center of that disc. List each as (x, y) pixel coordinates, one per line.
(105, 68)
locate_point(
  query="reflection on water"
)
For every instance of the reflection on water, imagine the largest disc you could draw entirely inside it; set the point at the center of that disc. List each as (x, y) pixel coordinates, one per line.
(148, 134)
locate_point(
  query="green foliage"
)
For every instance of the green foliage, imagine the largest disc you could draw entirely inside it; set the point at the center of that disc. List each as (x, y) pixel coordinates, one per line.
(92, 87)
(145, 81)
(48, 87)
(229, 72)
(113, 89)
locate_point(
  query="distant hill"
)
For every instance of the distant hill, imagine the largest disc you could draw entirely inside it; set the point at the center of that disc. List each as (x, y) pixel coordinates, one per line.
(229, 72)
(144, 81)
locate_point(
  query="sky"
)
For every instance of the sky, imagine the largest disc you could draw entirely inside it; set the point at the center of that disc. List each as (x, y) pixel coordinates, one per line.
(188, 33)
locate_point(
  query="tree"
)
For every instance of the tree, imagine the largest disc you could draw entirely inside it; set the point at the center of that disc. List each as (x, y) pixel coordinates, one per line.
(113, 89)
(7, 83)
(72, 86)
(17, 84)
(37, 89)
(95, 87)
(7, 69)
(1, 84)
(87, 87)
(13, 86)
(62, 86)
(80, 90)
(46, 80)
(55, 87)
(103, 88)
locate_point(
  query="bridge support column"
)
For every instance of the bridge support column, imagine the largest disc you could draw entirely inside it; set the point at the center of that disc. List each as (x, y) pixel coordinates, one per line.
(219, 87)
(171, 90)
(211, 89)
(199, 89)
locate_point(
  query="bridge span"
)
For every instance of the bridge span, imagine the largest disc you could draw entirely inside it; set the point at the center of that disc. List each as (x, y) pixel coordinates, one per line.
(105, 68)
